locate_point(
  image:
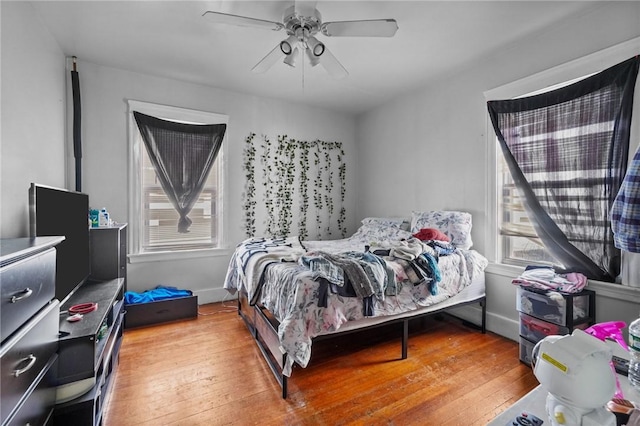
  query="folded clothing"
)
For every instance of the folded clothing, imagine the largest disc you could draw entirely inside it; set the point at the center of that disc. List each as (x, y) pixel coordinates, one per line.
(545, 278)
(408, 249)
(154, 295)
(427, 234)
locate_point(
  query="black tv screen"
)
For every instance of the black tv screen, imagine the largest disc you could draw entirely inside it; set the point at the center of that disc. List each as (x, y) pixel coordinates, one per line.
(55, 211)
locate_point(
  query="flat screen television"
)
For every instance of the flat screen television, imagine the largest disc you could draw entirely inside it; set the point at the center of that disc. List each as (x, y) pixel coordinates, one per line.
(55, 211)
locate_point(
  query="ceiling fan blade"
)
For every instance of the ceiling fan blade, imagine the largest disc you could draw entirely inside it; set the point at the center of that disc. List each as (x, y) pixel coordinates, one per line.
(242, 21)
(269, 60)
(332, 65)
(365, 28)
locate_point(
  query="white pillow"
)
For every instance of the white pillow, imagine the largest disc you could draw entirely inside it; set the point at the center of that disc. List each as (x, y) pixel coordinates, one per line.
(456, 225)
(396, 222)
(375, 233)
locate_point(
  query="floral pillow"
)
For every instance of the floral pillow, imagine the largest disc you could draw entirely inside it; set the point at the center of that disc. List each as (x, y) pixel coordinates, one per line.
(395, 222)
(372, 233)
(456, 225)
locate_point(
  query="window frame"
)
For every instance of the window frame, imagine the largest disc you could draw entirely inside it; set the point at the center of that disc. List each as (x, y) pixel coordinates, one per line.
(135, 177)
(570, 71)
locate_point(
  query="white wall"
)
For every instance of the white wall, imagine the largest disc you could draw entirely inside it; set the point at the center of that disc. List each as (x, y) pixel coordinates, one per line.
(104, 110)
(441, 128)
(33, 114)
(432, 142)
(33, 117)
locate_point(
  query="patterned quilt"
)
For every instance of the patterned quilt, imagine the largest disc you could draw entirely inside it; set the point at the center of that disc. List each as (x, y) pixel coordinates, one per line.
(291, 291)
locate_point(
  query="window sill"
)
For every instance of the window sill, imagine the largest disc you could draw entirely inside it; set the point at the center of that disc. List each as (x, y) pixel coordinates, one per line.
(504, 270)
(177, 255)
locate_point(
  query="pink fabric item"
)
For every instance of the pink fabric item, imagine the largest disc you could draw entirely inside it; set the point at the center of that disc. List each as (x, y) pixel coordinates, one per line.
(572, 282)
(427, 234)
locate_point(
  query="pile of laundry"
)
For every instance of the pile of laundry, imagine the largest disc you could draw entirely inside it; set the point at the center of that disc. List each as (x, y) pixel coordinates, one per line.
(161, 292)
(546, 278)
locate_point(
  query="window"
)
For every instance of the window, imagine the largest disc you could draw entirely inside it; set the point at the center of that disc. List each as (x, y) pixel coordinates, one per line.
(511, 236)
(159, 217)
(520, 245)
(153, 219)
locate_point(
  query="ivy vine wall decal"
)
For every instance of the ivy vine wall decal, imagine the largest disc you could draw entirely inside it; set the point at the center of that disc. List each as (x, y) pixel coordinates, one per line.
(249, 205)
(286, 170)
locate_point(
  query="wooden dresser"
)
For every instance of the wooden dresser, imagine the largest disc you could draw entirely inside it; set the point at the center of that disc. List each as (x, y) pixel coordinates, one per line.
(29, 317)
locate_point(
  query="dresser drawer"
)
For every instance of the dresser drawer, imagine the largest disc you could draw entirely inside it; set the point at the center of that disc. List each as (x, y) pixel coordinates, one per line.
(25, 287)
(25, 355)
(37, 408)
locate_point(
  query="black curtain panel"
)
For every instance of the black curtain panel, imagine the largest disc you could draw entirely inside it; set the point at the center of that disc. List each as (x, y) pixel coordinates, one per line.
(182, 155)
(77, 125)
(567, 152)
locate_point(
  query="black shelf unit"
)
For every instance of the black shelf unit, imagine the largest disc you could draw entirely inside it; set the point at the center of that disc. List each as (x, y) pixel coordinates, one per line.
(89, 349)
(81, 347)
(109, 252)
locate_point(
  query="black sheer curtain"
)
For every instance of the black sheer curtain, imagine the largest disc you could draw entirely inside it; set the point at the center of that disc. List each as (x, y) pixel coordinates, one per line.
(182, 155)
(567, 152)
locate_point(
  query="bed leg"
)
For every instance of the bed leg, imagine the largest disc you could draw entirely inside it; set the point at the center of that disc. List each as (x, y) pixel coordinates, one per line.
(284, 387)
(405, 338)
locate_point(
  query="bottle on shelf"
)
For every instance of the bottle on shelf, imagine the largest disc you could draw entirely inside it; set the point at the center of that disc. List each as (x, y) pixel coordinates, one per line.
(94, 217)
(104, 217)
(634, 354)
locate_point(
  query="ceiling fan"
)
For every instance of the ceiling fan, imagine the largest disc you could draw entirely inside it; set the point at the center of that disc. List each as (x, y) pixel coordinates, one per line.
(302, 23)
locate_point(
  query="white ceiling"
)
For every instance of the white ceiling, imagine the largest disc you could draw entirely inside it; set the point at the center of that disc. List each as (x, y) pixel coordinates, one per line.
(172, 39)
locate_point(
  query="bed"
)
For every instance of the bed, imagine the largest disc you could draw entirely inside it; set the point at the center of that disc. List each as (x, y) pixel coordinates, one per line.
(292, 292)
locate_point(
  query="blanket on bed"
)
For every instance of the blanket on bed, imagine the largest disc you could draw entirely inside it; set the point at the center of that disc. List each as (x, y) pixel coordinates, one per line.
(292, 292)
(252, 257)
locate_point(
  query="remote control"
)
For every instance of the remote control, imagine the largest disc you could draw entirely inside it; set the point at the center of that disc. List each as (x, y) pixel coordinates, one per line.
(525, 419)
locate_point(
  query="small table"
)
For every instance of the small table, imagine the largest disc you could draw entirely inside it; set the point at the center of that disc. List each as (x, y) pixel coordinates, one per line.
(534, 402)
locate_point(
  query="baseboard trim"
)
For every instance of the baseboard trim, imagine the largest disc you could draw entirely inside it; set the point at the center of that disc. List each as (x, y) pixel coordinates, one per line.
(213, 295)
(497, 324)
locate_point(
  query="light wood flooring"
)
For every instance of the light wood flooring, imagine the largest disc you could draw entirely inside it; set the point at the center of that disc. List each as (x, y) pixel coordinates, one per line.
(208, 371)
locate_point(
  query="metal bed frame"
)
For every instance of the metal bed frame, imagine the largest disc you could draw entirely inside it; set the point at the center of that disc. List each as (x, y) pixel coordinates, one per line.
(263, 327)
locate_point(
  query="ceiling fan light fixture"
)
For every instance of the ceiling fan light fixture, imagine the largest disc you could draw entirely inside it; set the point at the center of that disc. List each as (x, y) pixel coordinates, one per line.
(313, 60)
(287, 45)
(316, 46)
(291, 58)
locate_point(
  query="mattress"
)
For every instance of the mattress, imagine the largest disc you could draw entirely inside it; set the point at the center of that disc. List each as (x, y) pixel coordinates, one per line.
(471, 293)
(275, 275)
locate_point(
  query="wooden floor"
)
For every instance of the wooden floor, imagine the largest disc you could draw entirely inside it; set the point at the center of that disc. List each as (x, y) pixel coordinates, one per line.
(208, 371)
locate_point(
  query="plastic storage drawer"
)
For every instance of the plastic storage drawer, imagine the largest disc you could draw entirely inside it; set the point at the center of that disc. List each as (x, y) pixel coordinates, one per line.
(535, 329)
(562, 309)
(526, 351)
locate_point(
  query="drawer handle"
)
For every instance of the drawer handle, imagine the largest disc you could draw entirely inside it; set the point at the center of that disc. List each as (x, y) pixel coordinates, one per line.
(24, 294)
(32, 360)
